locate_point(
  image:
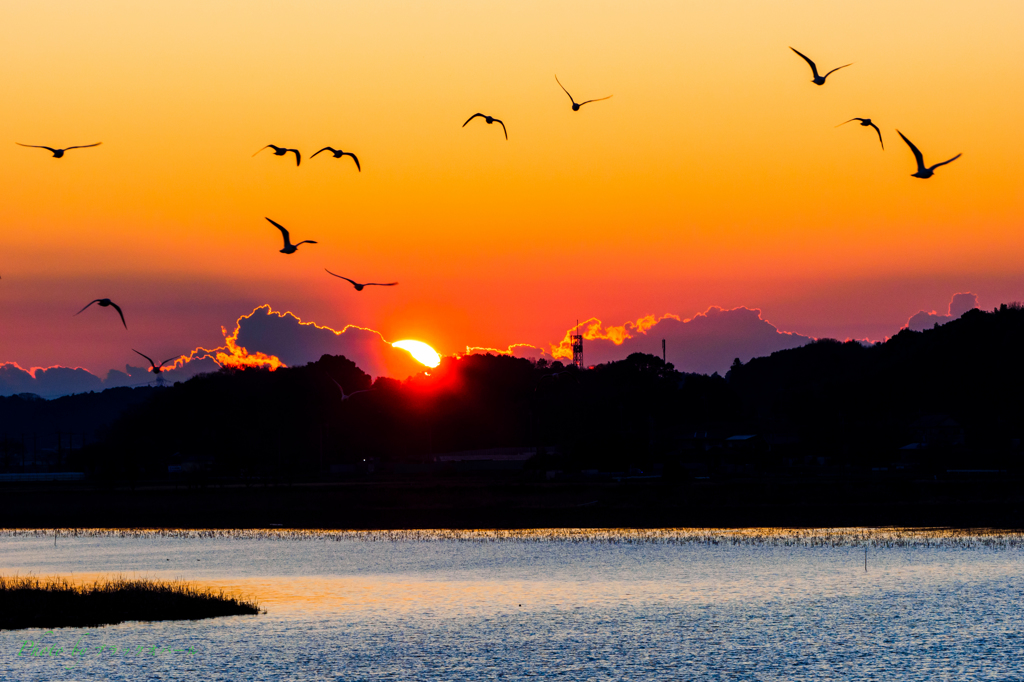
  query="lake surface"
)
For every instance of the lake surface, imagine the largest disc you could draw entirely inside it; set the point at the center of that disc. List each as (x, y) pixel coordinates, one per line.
(569, 605)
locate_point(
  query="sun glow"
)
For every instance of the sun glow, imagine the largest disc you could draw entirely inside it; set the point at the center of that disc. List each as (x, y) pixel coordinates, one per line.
(421, 351)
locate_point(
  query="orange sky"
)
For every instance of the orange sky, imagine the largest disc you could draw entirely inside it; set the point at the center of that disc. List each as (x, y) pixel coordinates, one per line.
(714, 176)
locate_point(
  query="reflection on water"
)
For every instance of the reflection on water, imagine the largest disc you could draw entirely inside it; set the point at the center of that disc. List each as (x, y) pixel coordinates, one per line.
(679, 604)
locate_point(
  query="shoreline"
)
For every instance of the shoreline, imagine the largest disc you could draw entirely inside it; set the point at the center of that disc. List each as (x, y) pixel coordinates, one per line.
(475, 503)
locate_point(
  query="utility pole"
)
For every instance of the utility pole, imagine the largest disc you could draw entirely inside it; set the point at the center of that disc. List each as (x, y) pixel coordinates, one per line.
(663, 360)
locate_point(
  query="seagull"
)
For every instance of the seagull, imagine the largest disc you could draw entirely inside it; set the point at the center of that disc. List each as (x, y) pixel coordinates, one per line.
(281, 151)
(58, 153)
(866, 122)
(104, 302)
(576, 107)
(346, 396)
(924, 172)
(818, 80)
(489, 119)
(338, 154)
(288, 246)
(156, 368)
(358, 286)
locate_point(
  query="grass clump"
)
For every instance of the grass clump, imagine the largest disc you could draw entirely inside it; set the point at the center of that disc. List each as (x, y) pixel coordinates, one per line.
(27, 602)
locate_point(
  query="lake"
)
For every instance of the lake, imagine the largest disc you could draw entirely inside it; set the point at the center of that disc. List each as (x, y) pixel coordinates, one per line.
(761, 604)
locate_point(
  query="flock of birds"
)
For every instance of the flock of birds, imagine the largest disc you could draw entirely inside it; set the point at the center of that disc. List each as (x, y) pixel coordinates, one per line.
(923, 171)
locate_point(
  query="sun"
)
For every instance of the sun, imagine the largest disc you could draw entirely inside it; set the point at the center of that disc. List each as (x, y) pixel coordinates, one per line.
(421, 351)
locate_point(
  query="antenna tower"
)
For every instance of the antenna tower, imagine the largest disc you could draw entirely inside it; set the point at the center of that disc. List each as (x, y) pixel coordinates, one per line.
(577, 347)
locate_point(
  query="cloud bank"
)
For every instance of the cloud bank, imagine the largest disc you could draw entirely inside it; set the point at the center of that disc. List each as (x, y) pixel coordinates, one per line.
(959, 305)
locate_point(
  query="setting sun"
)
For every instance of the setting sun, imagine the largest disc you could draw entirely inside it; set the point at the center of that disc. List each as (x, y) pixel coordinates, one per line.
(421, 351)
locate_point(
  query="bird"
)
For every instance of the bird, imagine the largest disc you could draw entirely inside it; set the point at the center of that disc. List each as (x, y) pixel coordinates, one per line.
(281, 151)
(576, 107)
(288, 246)
(818, 80)
(358, 286)
(866, 122)
(338, 154)
(58, 153)
(489, 119)
(923, 171)
(346, 396)
(156, 368)
(104, 302)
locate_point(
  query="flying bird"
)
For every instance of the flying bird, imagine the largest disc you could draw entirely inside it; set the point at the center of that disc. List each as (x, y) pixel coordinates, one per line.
(489, 119)
(358, 286)
(156, 368)
(346, 396)
(866, 122)
(338, 154)
(58, 153)
(281, 151)
(104, 302)
(288, 246)
(818, 80)
(923, 171)
(576, 107)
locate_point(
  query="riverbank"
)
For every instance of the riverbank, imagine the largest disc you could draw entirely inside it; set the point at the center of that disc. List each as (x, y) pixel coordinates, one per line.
(479, 502)
(27, 602)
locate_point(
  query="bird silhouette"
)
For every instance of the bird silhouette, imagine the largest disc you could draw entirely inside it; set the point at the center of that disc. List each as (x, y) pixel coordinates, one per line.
(156, 368)
(576, 107)
(104, 302)
(338, 154)
(489, 119)
(288, 246)
(281, 151)
(866, 122)
(358, 286)
(346, 396)
(818, 80)
(58, 153)
(923, 171)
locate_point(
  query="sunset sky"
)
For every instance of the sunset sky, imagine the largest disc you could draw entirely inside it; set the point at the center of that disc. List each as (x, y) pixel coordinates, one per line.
(713, 177)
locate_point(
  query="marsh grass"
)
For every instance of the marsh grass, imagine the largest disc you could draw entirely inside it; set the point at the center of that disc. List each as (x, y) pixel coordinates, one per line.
(28, 602)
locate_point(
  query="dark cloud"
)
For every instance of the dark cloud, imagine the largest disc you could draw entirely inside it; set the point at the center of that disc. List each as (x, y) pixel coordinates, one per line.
(296, 342)
(708, 342)
(959, 305)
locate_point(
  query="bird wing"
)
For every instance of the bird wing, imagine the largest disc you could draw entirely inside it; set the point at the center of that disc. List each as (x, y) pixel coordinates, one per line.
(472, 117)
(945, 162)
(284, 232)
(168, 360)
(340, 277)
(118, 309)
(298, 158)
(563, 88)
(354, 158)
(325, 149)
(808, 60)
(83, 309)
(879, 135)
(379, 284)
(596, 100)
(852, 119)
(503, 127)
(262, 148)
(148, 358)
(836, 69)
(917, 152)
(37, 146)
(83, 146)
(305, 241)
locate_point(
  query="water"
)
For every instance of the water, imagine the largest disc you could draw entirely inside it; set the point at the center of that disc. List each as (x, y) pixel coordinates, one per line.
(585, 605)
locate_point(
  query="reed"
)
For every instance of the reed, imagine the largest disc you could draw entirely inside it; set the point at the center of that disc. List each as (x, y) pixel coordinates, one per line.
(29, 602)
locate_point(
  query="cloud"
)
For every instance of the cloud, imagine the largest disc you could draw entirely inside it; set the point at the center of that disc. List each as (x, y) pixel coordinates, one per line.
(707, 342)
(517, 350)
(265, 338)
(958, 305)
